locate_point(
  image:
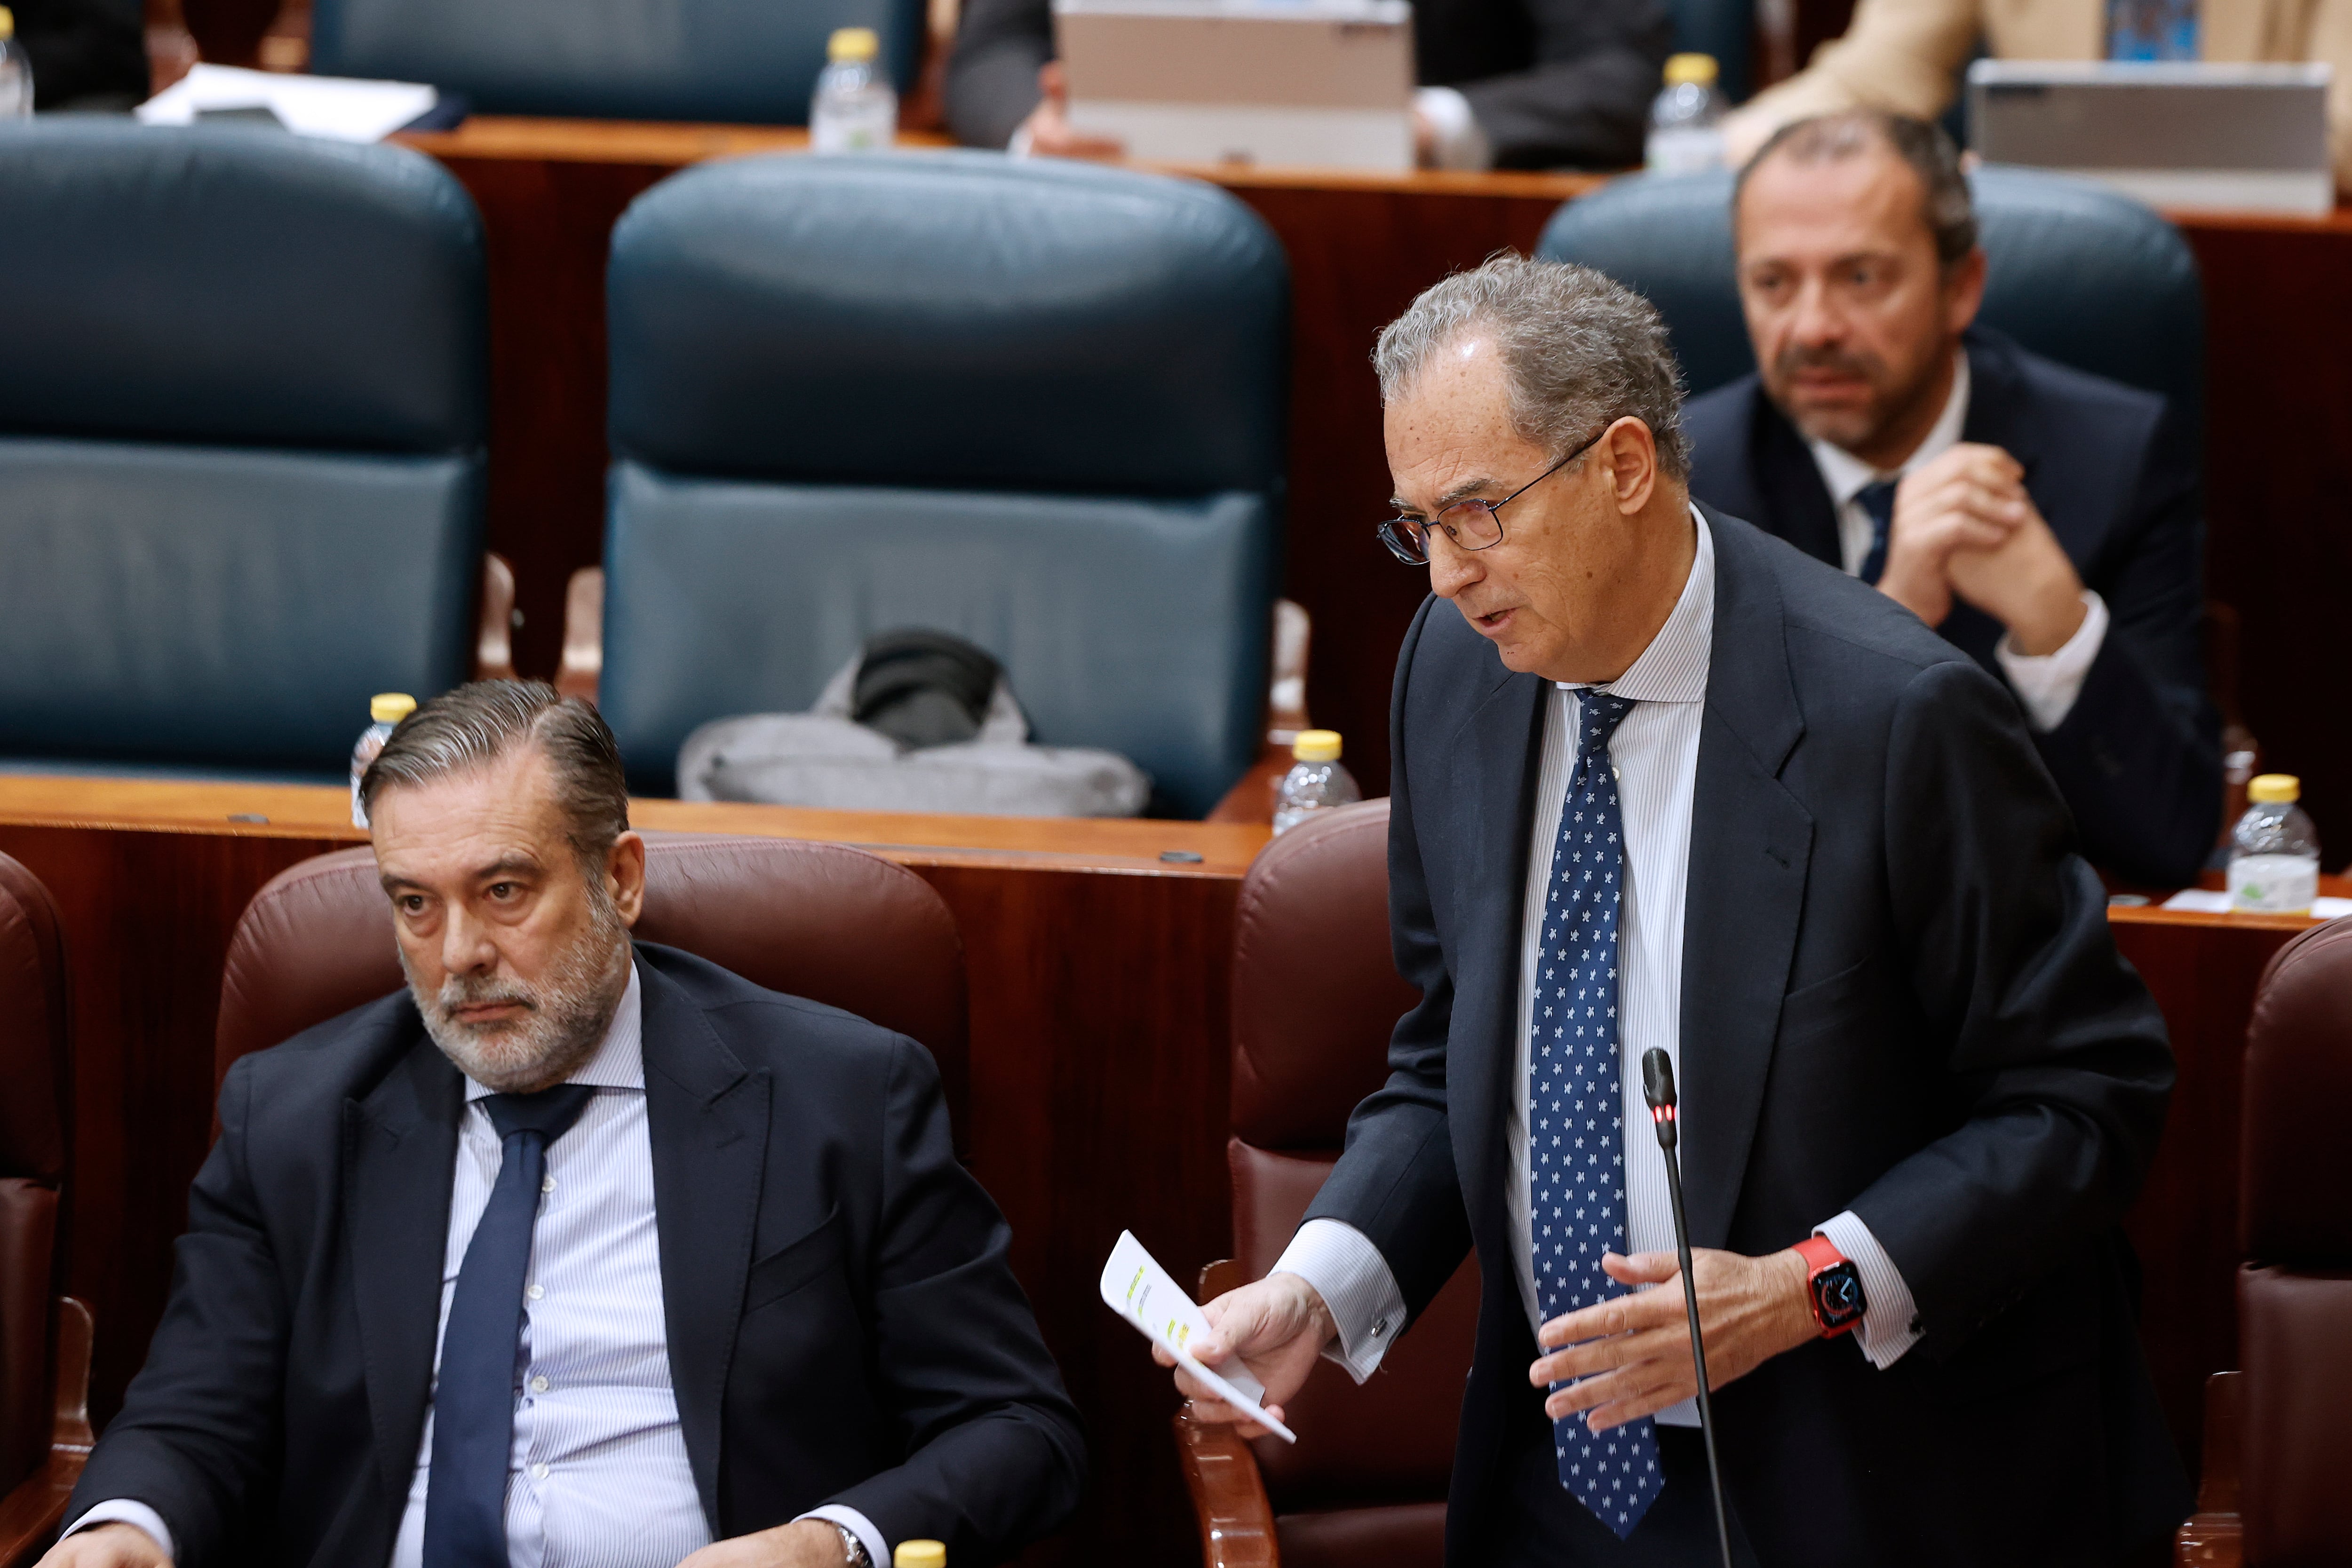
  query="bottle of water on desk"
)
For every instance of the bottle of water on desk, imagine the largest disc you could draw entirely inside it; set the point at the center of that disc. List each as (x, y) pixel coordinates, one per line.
(2274, 849)
(385, 710)
(1686, 118)
(855, 109)
(1316, 781)
(16, 71)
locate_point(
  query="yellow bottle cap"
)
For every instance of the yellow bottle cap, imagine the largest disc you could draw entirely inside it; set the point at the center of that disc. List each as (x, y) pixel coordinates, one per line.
(1699, 69)
(1317, 746)
(2270, 788)
(853, 44)
(7, 23)
(391, 707)
(919, 1554)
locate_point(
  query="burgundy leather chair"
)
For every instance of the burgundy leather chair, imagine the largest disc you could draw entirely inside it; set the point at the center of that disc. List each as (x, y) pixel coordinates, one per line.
(826, 922)
(2277, 1487)
(1315, 995)
(44, 1337)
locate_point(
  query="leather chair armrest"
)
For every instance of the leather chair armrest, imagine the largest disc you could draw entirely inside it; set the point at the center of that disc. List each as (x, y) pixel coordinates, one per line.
(1221, 1472)
(2213, 1537)
(494, 636)
(582, 665)
(31, 1514)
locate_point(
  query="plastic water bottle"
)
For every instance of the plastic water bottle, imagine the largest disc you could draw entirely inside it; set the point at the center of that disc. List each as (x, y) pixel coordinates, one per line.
(16, 71)
(855, 109)
(2274, 849)
(1686, 118)
(385, 709)
(1316, 781)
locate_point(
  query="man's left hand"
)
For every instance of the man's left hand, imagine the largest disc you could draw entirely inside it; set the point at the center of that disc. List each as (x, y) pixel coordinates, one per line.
(804, 1544)
(2026, 583)
(1632, 1353)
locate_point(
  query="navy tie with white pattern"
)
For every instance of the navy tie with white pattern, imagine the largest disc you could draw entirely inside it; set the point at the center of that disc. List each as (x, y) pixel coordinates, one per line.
(1576, 1107)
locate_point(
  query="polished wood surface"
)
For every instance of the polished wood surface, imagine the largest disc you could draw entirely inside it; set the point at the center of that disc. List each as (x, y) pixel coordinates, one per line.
(2214, 1536)
(35, 1508)
(1099, 1067)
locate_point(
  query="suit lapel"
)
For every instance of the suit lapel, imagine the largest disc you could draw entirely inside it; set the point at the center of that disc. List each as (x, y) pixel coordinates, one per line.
(400, 1152)
(1752, 843)
(1790, 482)
(707, 1116)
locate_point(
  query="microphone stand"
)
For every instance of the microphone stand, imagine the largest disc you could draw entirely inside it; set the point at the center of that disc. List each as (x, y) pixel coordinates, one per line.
(1658, 1089)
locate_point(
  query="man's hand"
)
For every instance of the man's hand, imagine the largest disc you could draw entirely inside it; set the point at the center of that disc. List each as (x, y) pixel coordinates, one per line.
(1632, 1353)
(2026, 583)
(1277, 1326)
(1048, 125)
(804, 1544)
(107, 1546)
(1972, 497)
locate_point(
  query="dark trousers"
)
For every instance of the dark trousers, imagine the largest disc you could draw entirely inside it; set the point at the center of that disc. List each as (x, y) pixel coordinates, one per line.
(1545, 1527)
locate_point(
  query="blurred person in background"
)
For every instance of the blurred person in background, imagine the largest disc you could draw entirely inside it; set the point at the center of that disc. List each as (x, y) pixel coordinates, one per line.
(1506, 84)
(2045, 520)
(1906, 56)
(88, 55)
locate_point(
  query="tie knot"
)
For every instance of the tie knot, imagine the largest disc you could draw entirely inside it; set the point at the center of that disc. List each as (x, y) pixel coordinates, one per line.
(1602, 713)
(1877, 499)
(549, 1112)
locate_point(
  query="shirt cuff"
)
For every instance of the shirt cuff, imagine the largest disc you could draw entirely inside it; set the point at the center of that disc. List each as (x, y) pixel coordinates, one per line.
(1890, 1321)
(1349, 1272)
(122, 1510)
(1461, 143)
(2048, 683)
(877, 1552)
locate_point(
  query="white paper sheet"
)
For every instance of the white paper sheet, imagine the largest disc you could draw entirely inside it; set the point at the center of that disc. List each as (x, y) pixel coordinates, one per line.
(1138, 1289)
(333, 107)
(2207, 901)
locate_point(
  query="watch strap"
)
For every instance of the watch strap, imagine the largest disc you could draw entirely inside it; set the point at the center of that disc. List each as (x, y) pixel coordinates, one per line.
(852, 1548)
(1821, 1255)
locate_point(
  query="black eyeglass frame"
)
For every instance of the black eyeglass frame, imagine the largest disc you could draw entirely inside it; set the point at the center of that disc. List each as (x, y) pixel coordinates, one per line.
(1400, 533)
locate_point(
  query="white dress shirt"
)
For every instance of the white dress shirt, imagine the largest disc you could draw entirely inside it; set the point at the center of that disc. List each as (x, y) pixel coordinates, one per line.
(1656, 754)
(598, 1474)
(2046, 684)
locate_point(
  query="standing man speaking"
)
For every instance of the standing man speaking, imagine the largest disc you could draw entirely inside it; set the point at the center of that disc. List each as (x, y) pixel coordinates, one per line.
(1661, 780)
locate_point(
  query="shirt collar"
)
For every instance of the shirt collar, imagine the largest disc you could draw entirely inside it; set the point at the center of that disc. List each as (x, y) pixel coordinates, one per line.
(620, 1059)
(1673, 668)
(1846, 475)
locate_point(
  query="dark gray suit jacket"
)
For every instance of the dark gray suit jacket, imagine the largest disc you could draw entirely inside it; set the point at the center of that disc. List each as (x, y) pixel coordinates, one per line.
(1899, 998)
(843, 1323)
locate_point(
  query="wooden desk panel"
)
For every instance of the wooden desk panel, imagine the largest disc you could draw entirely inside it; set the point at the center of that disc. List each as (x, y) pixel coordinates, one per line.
(1099, 1054)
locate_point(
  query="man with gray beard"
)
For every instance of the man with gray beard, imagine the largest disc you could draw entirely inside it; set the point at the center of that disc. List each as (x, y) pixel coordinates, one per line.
(579, 1250)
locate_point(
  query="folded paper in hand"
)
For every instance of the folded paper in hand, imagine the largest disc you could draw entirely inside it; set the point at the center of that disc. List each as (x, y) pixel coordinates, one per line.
(1138, 1289)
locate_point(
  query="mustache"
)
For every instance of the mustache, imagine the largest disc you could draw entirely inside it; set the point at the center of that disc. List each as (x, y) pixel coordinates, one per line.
(481, 990)
(1838, 361)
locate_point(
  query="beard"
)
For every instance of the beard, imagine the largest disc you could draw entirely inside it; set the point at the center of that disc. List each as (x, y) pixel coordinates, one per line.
(1845, 427)
(565, 1014)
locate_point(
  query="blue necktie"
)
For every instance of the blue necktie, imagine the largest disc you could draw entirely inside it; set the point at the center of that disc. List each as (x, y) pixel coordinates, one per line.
(2152, 30)
(1576, 1105)
(1878, 500)
(474, 1405)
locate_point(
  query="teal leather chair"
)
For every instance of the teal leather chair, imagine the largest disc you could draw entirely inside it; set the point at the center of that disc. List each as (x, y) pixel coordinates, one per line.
(1039, 405)
(242, 398)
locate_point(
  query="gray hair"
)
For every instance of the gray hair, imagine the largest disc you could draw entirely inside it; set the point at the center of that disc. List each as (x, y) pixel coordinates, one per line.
(474, 725)
(1580, 351)
(1945, 205)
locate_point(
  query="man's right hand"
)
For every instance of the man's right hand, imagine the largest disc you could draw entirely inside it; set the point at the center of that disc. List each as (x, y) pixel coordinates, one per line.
(1048, 128)
(1972, 497)
(1278, 1327)
(107, 1546)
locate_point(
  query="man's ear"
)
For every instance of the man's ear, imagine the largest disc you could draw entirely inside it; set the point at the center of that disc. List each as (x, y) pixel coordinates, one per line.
(1629, 456)
(625, 876)
(1964, 287)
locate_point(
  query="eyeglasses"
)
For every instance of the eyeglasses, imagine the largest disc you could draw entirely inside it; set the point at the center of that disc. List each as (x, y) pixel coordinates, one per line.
(1472, 525)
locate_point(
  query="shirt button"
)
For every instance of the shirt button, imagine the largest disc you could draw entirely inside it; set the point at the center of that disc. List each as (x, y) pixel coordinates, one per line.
(533, 1291)
(539, 1472)
(539, 1386)
(547, 1184)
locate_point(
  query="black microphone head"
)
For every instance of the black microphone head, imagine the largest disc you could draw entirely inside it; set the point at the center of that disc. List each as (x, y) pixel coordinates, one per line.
(1657, 1078)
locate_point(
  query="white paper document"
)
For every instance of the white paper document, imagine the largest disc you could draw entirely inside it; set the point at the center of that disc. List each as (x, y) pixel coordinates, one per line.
(333, 107)
(1138, 1289)
(2206, 901)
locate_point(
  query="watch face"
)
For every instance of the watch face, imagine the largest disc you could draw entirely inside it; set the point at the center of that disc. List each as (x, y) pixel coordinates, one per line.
(1838, 1292)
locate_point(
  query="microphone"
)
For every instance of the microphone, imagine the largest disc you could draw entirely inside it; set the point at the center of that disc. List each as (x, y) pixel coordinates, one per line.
(1658, 1089)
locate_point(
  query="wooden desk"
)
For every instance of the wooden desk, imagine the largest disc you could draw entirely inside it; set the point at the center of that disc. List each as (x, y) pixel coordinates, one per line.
(1099, 1054)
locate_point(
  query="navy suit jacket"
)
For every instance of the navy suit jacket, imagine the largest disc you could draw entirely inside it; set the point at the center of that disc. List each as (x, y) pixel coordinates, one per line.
(844, 1326)
(1899, 997)
(2139, 758)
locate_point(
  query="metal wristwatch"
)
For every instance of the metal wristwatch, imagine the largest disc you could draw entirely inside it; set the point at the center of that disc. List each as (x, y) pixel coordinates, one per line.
(853, 1548)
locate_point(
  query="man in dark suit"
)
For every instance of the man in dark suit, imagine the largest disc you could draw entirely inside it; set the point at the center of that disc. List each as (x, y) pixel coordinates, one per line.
(1506, 84)
(1661, 782)
(2045, 520)
(577, 1251)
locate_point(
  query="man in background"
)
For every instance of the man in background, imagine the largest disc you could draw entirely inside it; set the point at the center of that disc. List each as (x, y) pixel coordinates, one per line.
(1506, 84)
(2045, 520)
(1906, 55)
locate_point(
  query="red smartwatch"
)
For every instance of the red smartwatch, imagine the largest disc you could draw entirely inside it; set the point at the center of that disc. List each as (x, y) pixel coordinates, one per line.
(1832, 1286)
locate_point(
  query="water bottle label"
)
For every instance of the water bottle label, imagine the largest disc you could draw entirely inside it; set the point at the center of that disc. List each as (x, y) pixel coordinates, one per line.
(2273, 884)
